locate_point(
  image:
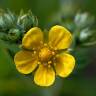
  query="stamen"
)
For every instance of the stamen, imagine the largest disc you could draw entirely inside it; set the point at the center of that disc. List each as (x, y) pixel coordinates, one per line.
(34, 52)
(55, 48)
(53, 53)
(45, 44)
(39, 63)
(33, 48)
(49, 62)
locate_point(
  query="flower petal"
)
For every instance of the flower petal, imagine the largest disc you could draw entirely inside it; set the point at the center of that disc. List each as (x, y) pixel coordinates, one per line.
(64, 64)
(59, 37)
(44, 76)
(33, 38)
(25, 62)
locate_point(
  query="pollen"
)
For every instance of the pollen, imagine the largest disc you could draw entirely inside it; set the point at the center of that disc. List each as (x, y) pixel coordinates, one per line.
(49, 62)
(34, 52)
(45, 54)
(39, 62)
(53, 53)
(45, 44)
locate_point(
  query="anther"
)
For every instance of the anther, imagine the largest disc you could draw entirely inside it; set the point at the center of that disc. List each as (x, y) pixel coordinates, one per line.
(55, 48)
(53, 53)
(49, 62)
(39, 62)
(45, 44)
(34, 52)
(33, 48)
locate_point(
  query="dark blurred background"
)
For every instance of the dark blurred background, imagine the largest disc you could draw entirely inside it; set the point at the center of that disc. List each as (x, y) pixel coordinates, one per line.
(82, 82)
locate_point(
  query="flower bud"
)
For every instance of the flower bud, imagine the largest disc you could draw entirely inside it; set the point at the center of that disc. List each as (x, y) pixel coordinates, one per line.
(84, 34)
(87, 37)
(83, 20)
(26, 21)
(7, 20)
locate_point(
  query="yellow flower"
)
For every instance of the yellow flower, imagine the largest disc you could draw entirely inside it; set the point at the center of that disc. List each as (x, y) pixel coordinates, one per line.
(45, 57)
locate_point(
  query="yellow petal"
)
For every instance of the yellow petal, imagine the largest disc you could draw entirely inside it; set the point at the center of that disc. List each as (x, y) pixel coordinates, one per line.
(44, 76)
(64, 64)
(59, 37)
(33, 38)
(25, 62)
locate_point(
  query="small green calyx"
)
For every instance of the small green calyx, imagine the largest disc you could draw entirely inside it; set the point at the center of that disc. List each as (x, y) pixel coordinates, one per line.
(14, 34)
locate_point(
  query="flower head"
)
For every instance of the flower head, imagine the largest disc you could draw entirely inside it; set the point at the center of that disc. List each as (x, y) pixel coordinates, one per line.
(45, 57)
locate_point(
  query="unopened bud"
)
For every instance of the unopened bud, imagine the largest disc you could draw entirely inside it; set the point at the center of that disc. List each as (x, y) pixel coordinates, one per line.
(7, 20)
(26, 21)
(83, 20)
(87, 37)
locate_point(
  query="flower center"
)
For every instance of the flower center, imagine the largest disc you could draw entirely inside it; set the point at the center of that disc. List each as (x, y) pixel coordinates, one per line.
(45, 54)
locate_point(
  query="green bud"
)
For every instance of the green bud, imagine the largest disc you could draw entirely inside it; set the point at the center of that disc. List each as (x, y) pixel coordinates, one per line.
(7, 20)
(26, 21)
(14, 34)
(87, 37)
(84, 20)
